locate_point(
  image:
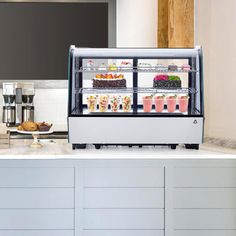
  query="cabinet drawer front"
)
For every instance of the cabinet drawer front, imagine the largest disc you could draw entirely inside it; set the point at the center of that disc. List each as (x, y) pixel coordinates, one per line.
(36, 198)
(36, 177)
(123, 233)
(36, 233)
(124, 177)
(36, 219)
(205, 233)
(205, 198)
(205, 177)
(123, 219)
(208, 219)
(124, 198)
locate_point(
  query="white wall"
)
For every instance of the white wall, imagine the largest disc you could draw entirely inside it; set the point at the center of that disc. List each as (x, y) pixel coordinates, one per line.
(50, 106)
(136, 23)
(216, 20)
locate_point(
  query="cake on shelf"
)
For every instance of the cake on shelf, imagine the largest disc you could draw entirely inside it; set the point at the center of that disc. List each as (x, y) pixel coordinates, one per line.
(109, 81)
(166, 81)
(172, 67)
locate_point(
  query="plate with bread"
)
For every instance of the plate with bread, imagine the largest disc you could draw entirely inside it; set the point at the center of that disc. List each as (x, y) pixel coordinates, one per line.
(35, 129)
(31, 127)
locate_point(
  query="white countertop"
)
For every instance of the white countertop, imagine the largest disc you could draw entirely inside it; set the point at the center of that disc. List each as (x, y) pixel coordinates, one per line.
(60, 149)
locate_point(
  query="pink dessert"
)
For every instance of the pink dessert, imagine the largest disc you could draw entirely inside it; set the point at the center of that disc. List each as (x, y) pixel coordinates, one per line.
(183, 103)
(159, 103)
(147, 103)
(161, 77)
(171, 103)
(186, 67)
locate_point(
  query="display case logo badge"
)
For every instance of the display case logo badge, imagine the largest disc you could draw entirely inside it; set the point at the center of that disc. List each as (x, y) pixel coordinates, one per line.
(195, 122)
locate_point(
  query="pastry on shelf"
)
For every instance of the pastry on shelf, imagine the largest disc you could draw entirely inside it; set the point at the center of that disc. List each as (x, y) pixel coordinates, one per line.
(144, 66)
(112, 67)
(166, 81)
(102, 67)
(160, 67)
(90, 65)
(109, 81)
(126, 65)
(172, 67)
(186, 67)
(43, 126)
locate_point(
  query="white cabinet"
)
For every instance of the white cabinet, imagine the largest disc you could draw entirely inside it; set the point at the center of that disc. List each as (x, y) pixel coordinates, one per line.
(204, 201)
(123, 201)
(36, 201)
(117, 198)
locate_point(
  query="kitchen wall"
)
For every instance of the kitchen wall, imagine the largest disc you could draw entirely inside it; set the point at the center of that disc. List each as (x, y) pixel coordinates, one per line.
(136, 23)
(50, 103)
(215, 31)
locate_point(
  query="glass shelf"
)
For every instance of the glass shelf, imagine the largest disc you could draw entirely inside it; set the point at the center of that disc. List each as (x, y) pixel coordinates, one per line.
(137, 90)
(132, 69)
(140, 111)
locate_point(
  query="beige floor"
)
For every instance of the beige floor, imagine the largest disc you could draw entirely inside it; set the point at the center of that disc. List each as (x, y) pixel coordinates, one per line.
(60, 148)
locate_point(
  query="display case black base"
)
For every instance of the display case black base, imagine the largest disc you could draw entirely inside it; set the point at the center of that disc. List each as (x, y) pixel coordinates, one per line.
(78, 146)
(192, 146)
(172, 146)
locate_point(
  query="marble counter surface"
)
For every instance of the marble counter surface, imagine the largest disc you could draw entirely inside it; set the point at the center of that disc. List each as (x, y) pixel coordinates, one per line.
(60, 149)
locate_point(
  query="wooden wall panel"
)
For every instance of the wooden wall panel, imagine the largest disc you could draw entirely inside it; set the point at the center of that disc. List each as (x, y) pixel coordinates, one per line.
(162, 24)
(176, 23)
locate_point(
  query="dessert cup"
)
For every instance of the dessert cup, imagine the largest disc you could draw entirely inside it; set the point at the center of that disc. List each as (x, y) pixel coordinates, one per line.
(183, 104)
(171, 104)
(147, 103)
(91, 103)
(103, 103)
(115, 103)
(159, 103)
(126, 103)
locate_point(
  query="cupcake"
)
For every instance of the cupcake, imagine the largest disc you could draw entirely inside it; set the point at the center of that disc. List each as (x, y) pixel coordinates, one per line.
(44, 126)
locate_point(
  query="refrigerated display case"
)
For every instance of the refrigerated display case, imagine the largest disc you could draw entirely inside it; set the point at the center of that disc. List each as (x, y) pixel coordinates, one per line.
(135, 97)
